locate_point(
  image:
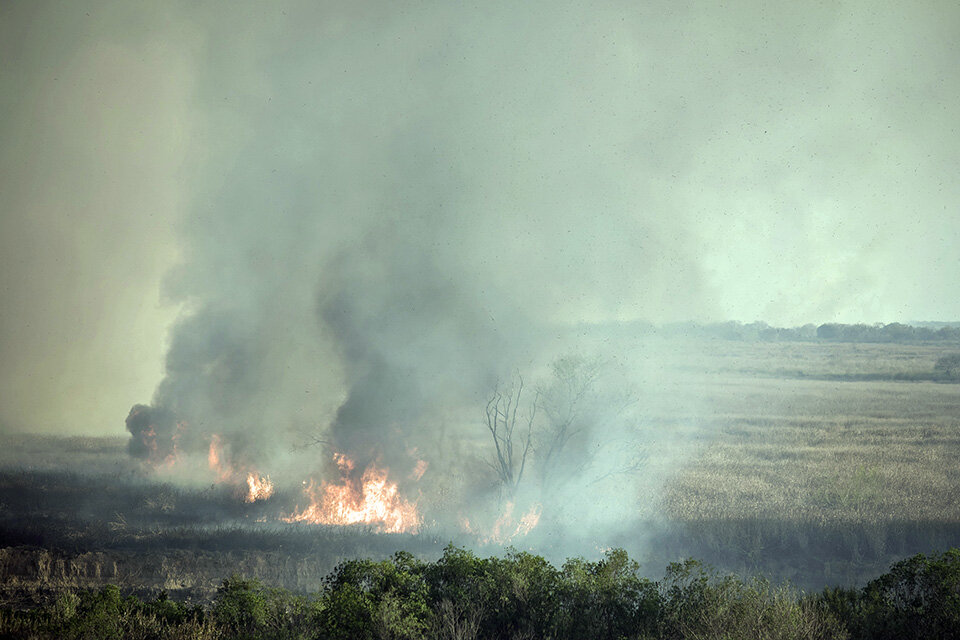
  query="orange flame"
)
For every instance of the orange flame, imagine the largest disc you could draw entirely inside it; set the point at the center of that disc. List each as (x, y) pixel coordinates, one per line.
(375, 501)
(529, 520)
(155, 459)
(419, 470)
(344, 463)
(223, 470)
(506, 528)
(258, 487)
(149, 438)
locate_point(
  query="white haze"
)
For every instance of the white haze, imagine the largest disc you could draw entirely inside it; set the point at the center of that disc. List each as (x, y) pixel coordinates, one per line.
(364, 214)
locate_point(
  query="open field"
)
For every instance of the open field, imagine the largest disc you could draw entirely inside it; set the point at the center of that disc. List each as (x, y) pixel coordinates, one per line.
(810, 474)
(767, 458)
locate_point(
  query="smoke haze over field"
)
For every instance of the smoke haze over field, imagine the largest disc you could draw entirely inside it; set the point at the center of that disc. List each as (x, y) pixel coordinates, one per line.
(362, 213)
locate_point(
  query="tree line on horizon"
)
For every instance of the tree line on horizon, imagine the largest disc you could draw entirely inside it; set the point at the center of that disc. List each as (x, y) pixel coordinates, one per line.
(759, 331)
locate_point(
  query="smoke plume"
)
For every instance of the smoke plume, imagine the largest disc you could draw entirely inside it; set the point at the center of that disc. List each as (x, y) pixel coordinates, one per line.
(395, 208)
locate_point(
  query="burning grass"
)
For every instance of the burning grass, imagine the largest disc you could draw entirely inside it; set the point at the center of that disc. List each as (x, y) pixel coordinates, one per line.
(372, 500)
(815, 480)
(256, 487)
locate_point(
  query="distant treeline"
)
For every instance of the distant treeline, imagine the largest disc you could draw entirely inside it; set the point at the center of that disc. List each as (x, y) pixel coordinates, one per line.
(893, 332)
(464, 597)
(830, 332)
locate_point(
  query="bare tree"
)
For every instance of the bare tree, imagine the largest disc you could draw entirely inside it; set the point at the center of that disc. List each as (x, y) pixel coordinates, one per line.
(576, 434)
(578, 410)
(457, 621)
(563, 401)
(501, 417)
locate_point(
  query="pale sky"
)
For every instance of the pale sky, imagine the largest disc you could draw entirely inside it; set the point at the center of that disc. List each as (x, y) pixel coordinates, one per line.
(562, 161)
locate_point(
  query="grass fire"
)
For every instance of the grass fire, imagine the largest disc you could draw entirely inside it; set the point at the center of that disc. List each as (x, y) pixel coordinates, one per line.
(474, 321)
(371, 500)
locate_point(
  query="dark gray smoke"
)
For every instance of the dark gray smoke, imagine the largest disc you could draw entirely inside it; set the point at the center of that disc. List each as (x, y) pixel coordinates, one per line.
(415, 341)
(153, 433)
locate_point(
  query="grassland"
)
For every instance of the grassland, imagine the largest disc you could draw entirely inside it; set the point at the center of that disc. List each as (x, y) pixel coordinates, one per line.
(807, 471)
(817, 463)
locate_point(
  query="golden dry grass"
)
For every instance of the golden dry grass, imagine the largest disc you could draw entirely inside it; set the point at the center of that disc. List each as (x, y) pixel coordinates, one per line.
(837, 472)
(829, 451)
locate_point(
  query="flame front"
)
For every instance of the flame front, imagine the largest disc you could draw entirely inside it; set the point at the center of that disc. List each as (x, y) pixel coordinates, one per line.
(155, 458)
(258, 487)
(214, 461)
(374, 501)
(506, 528)
(419, 470)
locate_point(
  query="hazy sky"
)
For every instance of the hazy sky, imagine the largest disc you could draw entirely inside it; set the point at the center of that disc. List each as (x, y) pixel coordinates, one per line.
(790, 162)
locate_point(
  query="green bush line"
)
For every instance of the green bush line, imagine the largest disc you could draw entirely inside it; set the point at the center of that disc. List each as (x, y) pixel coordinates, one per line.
(520, 595)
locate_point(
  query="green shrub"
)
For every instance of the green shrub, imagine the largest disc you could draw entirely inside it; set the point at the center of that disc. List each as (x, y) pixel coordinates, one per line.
(363, 599)
(607, 599)
(65, 607)
(241, 605)
(247, 609)
(520, 595)
(99, 615)
(918, 598)
(170, 612)
(698, 603)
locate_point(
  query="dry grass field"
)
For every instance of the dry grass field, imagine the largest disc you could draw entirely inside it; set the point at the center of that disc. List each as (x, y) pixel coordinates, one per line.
(803, 471)
(817, 463)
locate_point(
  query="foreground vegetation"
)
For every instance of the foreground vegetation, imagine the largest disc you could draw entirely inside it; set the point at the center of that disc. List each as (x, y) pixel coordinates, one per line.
(521, 595)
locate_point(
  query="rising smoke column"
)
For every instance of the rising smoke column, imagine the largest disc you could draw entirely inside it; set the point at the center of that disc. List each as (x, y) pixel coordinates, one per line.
(388, 209)
(153, 433)
(412, 340)
(328, 272)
